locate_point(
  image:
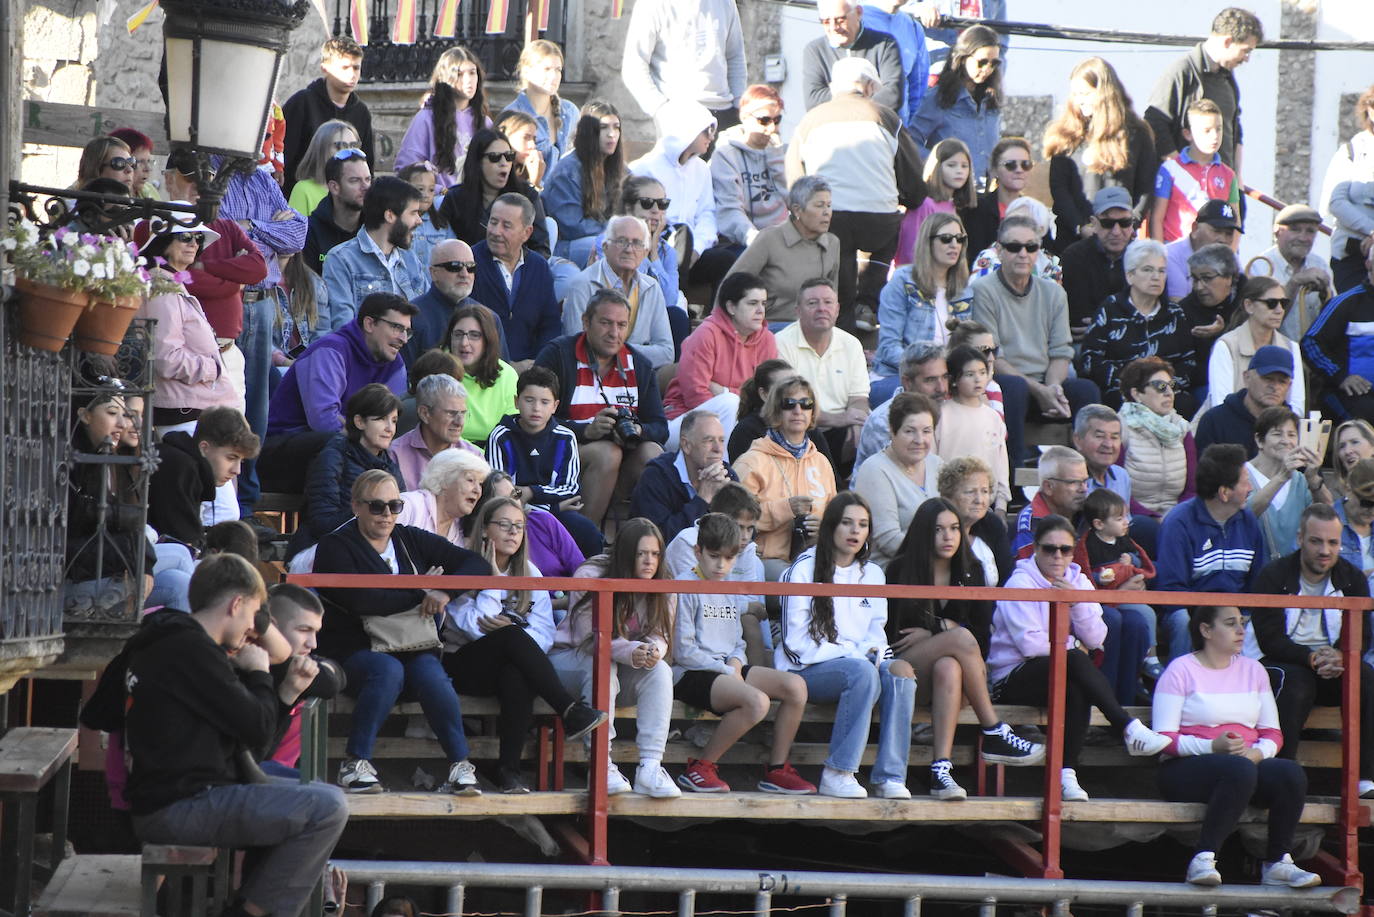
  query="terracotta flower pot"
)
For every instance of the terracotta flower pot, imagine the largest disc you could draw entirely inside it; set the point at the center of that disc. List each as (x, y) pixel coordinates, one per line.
(100, 328)
(47, 314)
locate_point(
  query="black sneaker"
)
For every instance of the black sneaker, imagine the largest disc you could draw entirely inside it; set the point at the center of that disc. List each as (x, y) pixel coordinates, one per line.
(580, 719)
(509, 782)
(1006, 747)
(942, 782)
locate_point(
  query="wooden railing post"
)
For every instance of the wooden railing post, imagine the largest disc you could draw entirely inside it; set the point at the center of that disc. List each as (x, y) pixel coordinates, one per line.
(1054, 740)
(598, 762)
(1352, 627)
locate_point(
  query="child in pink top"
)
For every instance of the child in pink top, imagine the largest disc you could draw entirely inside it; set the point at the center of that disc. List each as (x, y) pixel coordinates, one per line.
(948, 177)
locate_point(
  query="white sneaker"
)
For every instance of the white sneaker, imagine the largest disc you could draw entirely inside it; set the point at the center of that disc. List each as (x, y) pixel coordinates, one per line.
(1202, 870)
(891, 789)
(1365, 789)
(1069, 788)
(462, 780)
(653, 780)
(357, 775)
(1141, 740)
(616, 782)
(841, 784)
(1286, 872)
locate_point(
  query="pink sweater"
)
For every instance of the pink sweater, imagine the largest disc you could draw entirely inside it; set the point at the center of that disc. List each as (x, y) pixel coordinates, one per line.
(576, 626)
(714, 353)
(1021, 630)
(1194, 704)
(186, 359)
(978, 431)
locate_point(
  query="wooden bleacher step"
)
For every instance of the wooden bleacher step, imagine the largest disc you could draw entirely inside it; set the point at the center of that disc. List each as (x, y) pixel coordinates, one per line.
(92, 886)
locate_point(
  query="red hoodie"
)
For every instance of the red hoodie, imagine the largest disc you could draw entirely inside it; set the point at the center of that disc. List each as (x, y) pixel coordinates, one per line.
(714, 353)
(227, 265)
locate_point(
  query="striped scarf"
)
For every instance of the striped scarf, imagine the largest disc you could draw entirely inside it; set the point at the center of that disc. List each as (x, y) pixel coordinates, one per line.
(592, 393)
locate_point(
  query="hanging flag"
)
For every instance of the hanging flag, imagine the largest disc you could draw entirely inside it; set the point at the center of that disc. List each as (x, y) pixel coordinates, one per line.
(539, 10)
(497, 13)
(138, 18)
(446, 19)
(617, 8)
(403, 31)
(357, 20)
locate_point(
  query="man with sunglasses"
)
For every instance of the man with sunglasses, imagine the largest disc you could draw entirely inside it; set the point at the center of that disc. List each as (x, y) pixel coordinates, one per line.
(452, 270)
(1339, 348)
(1267, 382)
(378, 259)
(336, 219)
(1093, 268)
(846, 35)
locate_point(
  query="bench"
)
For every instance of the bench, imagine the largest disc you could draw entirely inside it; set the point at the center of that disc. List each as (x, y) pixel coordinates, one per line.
(30, 758)
(206, 869)
(286, 507)
(92, 886)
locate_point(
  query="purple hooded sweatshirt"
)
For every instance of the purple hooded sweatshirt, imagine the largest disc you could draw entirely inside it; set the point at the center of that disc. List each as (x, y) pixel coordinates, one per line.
(315, 389)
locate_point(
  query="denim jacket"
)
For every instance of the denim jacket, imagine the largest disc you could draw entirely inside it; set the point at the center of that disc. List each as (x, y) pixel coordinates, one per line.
(978, 126)
(906, 317)
(353, 270)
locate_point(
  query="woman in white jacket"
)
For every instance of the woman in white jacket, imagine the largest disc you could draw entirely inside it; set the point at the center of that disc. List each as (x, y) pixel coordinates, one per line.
(1019, 655)
(496, 641)
(839, 647)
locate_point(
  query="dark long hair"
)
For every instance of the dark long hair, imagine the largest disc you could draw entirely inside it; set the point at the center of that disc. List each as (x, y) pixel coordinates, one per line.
(821, 628)
(602, 175)
(952, 77)
(489, 364)
(621, 565)
(443, 103)
(463, 206)
(914, 565)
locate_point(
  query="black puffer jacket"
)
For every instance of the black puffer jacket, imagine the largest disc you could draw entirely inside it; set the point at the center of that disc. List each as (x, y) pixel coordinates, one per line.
(329, 486)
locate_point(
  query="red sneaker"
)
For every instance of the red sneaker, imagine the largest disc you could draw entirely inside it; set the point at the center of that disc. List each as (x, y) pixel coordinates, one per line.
(701, 777)
(786, 780)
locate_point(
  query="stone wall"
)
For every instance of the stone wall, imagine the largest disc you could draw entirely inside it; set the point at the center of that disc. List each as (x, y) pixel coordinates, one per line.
(1298, 74)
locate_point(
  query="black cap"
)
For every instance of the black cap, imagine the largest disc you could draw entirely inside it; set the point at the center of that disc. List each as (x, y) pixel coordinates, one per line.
(1218, 214)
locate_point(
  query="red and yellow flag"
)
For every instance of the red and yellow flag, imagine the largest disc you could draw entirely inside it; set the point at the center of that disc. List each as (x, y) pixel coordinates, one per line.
(497, 14)
(357, 20)
(446, 19)
(617, 8)
(539, 13)
(403, 30)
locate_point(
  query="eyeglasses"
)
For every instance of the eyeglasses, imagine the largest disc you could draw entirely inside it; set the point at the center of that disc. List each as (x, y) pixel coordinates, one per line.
(805, 404)
(1162, 387)
(350, 154)
(1203, 278)
(382, 507)
(1016, 247)
(944, 238)
(505, 525)
(634, 245)
(649, 203)
(120, 163)
(493, 158)
(453, 416)
(766, 120)
(991, 63)
(190, 238)
(1277, 302)
(1075, 483)
(1018, 165)
(396, 327)
(454, 267)
(473, 336)
(1119, 223)
(1061, 549)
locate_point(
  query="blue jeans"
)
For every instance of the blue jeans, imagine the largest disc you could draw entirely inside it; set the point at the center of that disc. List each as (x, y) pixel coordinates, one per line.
(854, 684)
(1129, 636)
(256, 343)
(1174, 640)
(883, 389)
(376, 681)
(171, 577)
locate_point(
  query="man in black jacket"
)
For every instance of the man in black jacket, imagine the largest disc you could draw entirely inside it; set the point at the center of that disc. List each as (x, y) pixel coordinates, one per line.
(298, 615)
(1093, 266)
(336, 219)
(199, 695)
(677, 488)
(193, 465)
(1301, 647)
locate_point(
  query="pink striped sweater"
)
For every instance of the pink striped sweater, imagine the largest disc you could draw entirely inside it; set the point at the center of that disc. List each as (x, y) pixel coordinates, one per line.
(1194, 704)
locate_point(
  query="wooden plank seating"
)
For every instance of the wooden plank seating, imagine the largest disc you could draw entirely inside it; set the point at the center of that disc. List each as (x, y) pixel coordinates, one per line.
(287, 507)
(92, 886)
(206, 869)
(30, 758)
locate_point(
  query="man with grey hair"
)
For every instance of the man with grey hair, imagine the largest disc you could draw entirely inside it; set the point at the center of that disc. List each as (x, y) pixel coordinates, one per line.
(1063, 488)
(922, 370)
(677, 488)
(452, 271)
(803, 246)
(873, 166)
(846, 36)
(1097, 437)
(623, 248)
(442, 405)
(514, 282)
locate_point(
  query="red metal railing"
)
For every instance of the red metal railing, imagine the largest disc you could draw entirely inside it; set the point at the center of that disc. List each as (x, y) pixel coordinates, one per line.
(1343, 868)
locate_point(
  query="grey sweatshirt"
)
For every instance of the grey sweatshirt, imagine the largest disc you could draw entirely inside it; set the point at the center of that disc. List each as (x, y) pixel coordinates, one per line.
(707, 631)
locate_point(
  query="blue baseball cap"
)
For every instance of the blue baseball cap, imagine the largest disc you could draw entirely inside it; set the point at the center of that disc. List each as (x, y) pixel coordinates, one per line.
(1272, 359)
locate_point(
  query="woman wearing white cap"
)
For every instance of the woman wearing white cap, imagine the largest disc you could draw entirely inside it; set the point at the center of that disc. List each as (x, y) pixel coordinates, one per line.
(188, 370)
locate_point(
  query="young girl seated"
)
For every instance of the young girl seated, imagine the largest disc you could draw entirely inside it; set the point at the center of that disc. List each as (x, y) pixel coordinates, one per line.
(710, 665)
(949, 179)
(969, 424)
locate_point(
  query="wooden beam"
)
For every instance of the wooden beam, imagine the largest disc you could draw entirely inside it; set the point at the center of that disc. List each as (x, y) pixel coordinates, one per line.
(30, 755)
(58, 124)
(92, 886)
(442, 805)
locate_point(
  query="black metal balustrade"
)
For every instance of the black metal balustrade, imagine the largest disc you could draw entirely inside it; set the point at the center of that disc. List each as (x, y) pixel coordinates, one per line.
(499, 53)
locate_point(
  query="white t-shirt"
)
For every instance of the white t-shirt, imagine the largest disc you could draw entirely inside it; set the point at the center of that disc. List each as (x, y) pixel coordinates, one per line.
(1310, 630)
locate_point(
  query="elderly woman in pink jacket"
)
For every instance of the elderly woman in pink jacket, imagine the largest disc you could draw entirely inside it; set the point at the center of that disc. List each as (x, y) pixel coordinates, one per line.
(721, 354)
(188, 369)
(1019, 654)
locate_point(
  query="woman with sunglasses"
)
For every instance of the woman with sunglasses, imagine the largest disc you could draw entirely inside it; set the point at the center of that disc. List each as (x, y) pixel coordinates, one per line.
(1263, 303)
(1046, 262)
(497, 640)
(839, 646)
(141, 146)
(488, 173)
(803, 246)
(374, 542)
(1009, 170)
(917, 302)
(1139, 321)
(966, 101)
(752, 422)
(474, 338)
(1019, 652)
(331, 137)
(791, 479)
(106, 157)
(1157, 448)
(583, 187)
(1098, 141)
(364, 444)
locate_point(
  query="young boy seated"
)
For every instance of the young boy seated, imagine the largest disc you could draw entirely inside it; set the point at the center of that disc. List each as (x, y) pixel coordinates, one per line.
(193, 466)
(710, 670)
(1192, 176)
(540, 454)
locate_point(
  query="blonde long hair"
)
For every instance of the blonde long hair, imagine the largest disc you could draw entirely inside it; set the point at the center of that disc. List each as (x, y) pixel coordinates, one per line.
(923, 263)
(537, 51)
(1107, 133)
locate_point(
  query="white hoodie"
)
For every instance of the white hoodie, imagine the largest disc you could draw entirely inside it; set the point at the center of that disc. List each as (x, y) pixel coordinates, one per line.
(687, 185)
(860, 621)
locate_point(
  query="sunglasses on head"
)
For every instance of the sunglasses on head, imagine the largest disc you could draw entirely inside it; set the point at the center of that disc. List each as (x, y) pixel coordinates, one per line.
(649, 203)
(1119, 223)
(805, 404)
(454, 267)
(1275, 302)
(944, 238)
(493, 158)
(1018, 165)
(350, 154)
(382, 507)
(121, 163)
(1064, 549)
(1016, 247)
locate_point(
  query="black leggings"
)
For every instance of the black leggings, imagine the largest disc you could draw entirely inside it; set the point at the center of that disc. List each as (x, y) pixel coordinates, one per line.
(1229, 783)
(1086, 688)
(510, 666)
